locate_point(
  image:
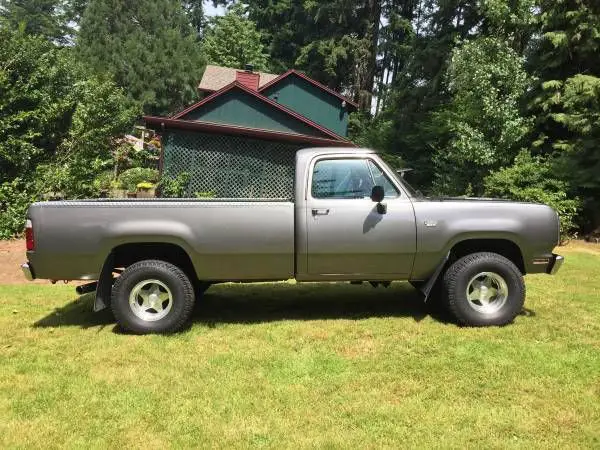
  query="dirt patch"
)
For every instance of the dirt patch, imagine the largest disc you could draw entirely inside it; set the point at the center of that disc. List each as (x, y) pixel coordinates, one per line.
(580, 246)
(12, 255)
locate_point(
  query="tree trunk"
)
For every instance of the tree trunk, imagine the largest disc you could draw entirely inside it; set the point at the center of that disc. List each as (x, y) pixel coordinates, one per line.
(367, 81)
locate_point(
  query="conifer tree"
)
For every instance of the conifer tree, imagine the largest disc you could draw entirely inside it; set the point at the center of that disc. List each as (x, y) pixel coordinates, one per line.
(47, 18)
(566, 104)
(234, 41)
(147, 46)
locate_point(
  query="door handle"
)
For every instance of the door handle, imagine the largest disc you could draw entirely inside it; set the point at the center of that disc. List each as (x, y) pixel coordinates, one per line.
(320, 212)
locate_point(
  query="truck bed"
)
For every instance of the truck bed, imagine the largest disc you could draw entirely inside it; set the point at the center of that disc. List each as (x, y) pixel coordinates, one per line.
(244, 239)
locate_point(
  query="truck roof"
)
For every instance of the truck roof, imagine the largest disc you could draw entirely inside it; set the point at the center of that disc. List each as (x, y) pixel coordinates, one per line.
(309, 152)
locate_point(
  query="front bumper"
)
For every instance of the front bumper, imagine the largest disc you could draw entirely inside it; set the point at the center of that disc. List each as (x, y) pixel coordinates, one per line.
(555, 263)
(27, 271)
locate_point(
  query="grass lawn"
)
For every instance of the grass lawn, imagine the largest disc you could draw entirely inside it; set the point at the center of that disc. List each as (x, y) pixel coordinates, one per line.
(278, 365)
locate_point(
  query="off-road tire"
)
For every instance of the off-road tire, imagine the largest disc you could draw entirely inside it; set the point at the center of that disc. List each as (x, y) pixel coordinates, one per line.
(180, 286)
(461, 272)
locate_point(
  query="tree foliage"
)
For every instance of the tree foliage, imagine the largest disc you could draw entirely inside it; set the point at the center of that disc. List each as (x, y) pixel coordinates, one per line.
(534, 179)
(528, 80)
(57, 125)
(566, 100)
(148, 47)
(481, 127)
(335, 42)
(475, 95)
(87, 149)
(234, 41)
(48, 18)
(194, 11)
(37, 101)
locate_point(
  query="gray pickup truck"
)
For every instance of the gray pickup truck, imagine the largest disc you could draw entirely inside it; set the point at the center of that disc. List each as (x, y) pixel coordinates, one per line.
(352, 219)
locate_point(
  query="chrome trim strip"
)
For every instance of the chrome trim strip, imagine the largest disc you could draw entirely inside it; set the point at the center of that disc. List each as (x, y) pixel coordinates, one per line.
(541, 261)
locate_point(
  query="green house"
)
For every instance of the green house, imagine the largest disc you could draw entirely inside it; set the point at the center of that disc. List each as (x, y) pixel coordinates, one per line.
(240, 141)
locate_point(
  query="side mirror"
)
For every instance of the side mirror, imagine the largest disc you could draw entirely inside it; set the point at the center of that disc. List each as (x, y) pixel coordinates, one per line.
(377, 194)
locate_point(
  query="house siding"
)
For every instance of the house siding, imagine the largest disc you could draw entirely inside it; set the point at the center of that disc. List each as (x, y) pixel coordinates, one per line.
(305, 98)
(239, 108)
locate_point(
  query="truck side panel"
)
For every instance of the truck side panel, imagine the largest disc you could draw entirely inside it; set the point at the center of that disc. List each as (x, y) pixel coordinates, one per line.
(443, 224)
(238, 240)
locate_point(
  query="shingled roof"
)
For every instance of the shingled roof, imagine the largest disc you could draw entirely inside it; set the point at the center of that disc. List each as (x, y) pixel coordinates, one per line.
(216, 78)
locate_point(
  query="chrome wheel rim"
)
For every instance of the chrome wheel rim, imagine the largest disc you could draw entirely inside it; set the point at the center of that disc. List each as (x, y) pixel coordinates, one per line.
(150, 300)
(487, 292)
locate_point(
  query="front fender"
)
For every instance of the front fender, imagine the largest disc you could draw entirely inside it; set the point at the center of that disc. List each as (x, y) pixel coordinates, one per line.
(441, 229)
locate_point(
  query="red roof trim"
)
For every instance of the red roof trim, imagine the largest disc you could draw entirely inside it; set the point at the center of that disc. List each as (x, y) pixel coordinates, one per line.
(311, 81)
(267, 100)
(211, 127)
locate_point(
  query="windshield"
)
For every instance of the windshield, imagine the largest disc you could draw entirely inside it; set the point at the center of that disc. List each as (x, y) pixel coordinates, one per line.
(412, 191)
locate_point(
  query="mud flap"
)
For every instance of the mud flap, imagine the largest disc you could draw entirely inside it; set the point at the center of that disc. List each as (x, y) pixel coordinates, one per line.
(427, 286)
(104, 288)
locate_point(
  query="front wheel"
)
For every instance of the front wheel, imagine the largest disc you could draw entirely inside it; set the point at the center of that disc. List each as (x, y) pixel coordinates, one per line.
(152, 296)
(484, 289)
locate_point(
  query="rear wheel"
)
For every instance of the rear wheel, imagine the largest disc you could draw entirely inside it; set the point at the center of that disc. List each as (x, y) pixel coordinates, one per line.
(152, 296)
(484, 289)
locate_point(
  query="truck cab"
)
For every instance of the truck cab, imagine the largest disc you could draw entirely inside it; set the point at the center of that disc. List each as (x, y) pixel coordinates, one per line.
(343, 231)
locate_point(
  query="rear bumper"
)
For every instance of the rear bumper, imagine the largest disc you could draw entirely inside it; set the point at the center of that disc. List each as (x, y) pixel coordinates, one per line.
(555, 264)
(27, 271)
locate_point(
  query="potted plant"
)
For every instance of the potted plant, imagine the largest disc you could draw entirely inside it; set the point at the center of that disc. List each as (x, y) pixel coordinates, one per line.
(145, 189)
(131, 178)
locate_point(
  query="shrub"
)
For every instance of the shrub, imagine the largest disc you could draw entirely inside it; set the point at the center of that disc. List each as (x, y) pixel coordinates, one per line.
(174, 187)
(533, 179)
(104, 181)
(132, 177)
(14, 200)
(146, 157)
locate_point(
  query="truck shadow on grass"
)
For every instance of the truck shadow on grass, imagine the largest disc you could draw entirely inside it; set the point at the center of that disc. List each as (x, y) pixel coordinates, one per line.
(260, 303)
(263, 302)
(77, 313)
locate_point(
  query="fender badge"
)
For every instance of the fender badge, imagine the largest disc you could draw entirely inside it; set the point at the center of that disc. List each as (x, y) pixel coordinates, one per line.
(431, 223)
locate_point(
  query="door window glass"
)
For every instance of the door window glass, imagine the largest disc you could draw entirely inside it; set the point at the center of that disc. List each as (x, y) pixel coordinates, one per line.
(382, 180)
(341, 178)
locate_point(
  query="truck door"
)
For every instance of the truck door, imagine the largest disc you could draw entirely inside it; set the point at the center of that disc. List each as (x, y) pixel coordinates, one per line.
(347, 237)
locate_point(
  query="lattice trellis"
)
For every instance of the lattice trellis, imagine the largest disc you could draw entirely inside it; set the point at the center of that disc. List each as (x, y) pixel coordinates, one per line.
(231, 166)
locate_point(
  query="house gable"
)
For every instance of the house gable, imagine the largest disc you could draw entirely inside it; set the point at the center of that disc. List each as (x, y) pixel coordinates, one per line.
(239, 106)
(314, 101)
